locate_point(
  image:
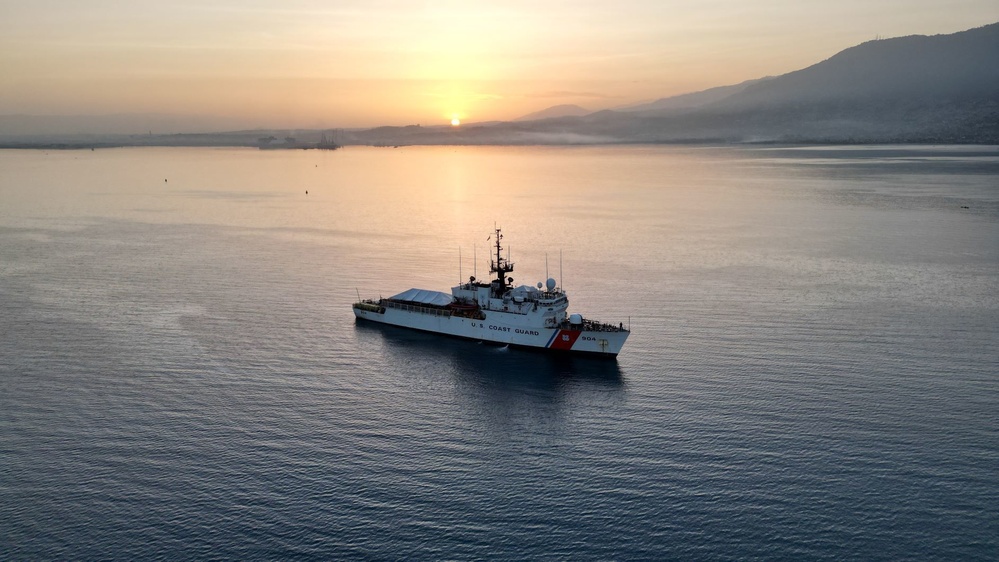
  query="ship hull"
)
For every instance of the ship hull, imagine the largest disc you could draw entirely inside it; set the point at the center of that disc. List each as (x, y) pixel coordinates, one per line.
(501, 329)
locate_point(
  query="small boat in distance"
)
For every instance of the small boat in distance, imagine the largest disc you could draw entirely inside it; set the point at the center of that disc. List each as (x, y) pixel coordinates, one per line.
(523, 316)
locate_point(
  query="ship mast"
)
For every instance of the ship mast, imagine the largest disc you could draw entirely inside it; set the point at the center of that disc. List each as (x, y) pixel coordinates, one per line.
(501, 266)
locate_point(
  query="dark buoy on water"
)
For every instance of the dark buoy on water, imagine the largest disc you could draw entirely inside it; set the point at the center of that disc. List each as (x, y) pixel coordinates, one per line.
(306, 191)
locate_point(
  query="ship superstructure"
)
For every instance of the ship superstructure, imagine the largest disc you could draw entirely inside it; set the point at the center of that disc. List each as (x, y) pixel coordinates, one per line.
(499, 312)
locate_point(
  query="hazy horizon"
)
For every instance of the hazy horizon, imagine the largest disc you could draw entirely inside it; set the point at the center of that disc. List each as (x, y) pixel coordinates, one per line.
(306, 65)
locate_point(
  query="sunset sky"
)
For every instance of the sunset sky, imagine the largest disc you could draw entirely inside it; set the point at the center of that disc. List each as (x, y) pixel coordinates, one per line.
(347, 63)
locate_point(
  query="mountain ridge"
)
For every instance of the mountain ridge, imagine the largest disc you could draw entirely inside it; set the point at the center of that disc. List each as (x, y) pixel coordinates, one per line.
(961, 64)
(913, 89)
(555, 111)
(917, 88)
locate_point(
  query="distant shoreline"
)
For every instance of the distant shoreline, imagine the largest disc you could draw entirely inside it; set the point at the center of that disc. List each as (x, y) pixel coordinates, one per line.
(698, 142)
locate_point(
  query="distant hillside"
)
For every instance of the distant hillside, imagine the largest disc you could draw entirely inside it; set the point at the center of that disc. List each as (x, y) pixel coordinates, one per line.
(692, 100)
(959, 66)
(916, 89)
(942, 88)
(565, 110)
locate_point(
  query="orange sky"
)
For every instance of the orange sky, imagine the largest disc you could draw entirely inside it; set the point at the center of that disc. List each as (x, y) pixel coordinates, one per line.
(366, 63)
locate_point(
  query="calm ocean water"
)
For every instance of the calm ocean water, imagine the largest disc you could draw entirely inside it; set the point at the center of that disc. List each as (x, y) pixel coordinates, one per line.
(813, 371)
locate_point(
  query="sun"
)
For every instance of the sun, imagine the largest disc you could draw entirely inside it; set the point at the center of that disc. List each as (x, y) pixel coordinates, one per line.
(455, 121)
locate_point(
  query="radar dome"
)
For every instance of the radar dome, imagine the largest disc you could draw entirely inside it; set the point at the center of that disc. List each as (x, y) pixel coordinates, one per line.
(575, 318)
(539, 284)
(551, 284)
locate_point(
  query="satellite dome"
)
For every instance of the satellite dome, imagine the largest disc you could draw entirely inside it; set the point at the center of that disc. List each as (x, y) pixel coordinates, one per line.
(539, 284)
(551, 284)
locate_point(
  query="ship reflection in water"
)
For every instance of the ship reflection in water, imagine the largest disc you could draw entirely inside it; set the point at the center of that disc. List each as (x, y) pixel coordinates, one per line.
(489, 363)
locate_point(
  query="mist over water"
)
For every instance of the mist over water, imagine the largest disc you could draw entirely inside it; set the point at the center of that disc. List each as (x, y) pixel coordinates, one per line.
(811, 373)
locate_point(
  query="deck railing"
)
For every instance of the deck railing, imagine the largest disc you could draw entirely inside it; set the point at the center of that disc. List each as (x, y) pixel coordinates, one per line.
(592, 326)
(434, 311)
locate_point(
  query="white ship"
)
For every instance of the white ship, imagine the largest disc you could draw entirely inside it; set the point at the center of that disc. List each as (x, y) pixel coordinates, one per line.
(498, 312)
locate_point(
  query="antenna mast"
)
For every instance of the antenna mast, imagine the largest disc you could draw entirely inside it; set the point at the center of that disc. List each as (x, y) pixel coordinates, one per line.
(501, 266)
